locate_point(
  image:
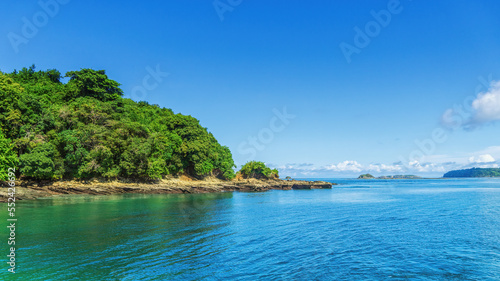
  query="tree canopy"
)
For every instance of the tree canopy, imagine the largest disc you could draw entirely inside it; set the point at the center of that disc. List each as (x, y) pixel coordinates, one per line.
(84, 129)
(258, 170)
(8, 158)
(93, 83)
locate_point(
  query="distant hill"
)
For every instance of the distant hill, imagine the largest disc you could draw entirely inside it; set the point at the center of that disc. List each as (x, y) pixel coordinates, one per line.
(473, 173)
(399, 177)
(395, 177)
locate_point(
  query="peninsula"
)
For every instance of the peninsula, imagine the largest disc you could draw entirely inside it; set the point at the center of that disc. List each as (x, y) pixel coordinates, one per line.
(473, 173)
(83, 137)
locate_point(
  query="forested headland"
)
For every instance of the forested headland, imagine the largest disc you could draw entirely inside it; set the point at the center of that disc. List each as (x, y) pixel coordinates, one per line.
(473, 173)
(85, 129)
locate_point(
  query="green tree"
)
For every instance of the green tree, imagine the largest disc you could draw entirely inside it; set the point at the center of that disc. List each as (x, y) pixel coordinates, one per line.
(258, 170)
(10, 109)
(225, 163)
(94, 83)
(8, 158)
(84, 129)
(73, 151)
(98, 162)
(41, 163)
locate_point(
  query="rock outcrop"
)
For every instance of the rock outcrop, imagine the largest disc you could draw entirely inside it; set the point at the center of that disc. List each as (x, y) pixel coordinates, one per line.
(29, 190)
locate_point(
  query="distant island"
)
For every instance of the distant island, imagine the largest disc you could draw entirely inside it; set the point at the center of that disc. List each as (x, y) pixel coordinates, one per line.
(395, 177)
(474, 173)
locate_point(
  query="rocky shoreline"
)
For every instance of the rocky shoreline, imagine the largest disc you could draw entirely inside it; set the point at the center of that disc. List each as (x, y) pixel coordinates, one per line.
(31, 191)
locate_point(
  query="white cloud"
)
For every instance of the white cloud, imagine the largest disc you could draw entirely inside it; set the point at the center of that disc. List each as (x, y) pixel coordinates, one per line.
(484, 158)
(488, 165)
(475, 111)
(426, 167)
(385, 168)
(494, 151)
(351, 167)
(487, 105)
(346, 166)
(433, 166)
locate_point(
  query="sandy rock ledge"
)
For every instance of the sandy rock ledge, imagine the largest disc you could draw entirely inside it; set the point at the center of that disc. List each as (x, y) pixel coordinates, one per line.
(30, 190)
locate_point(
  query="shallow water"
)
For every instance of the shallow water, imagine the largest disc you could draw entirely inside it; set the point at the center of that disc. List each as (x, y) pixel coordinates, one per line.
(360, 230)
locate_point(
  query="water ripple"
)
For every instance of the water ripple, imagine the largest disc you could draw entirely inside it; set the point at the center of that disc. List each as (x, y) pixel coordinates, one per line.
(398, 230)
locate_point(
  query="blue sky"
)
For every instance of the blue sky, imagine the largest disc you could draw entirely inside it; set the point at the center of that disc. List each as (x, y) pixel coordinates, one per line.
(238, 66)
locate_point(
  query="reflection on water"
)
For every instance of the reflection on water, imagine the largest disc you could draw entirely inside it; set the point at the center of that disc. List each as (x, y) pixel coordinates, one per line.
(425, 229)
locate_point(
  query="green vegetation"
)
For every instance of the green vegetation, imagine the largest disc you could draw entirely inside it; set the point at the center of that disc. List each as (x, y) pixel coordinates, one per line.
(84, 129)
(8, 158)
(366, 176)
(473, 173)
(258, 170)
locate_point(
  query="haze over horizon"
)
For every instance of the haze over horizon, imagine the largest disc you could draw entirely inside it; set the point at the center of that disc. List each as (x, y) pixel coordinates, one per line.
(316, 89)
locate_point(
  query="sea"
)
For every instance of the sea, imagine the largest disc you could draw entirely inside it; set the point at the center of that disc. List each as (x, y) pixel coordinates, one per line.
(427, 229)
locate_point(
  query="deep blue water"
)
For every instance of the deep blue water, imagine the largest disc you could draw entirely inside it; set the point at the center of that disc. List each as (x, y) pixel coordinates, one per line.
(360, 230)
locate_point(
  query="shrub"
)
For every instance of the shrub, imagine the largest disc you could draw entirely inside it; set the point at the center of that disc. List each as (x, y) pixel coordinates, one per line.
(258, 170)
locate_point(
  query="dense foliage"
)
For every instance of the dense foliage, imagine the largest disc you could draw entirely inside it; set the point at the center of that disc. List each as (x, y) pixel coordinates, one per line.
(473, 173)
(84, 129)
(8, 158)
(258, 170)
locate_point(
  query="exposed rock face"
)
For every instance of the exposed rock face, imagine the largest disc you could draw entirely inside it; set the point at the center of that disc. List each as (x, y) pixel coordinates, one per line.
(32, 191)
(254, 185)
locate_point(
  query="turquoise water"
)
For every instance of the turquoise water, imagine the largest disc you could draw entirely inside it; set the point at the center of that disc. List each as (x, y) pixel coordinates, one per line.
(360, 230)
